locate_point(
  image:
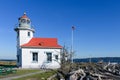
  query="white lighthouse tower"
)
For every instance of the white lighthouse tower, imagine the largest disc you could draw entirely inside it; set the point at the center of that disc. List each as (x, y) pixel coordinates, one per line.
(24, 34)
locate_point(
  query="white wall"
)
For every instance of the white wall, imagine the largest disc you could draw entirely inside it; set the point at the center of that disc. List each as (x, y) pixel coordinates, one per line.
(23, 36)
(27, 58)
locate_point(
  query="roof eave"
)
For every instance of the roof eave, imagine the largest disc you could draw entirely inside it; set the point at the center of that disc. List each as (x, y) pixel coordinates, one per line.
(41, 47)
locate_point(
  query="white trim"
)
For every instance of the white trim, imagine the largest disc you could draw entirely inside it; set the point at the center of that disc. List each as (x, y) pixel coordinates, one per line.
(48, 51)
(34, 52)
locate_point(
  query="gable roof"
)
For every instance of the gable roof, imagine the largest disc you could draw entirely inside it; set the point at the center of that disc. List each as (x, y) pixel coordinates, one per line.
(42, 43)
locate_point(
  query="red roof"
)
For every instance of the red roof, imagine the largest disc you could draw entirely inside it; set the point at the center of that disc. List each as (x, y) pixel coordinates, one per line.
(24, 16)
(42, 43)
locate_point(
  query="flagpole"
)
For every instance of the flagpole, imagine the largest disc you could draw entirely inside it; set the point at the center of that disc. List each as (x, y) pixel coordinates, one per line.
(72, 43)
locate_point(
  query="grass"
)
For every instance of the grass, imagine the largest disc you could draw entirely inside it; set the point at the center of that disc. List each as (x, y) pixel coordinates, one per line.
(41, 76)
(19, 72)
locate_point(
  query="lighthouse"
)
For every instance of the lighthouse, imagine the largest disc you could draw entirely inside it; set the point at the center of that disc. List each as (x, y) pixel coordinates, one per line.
(25, 33)
(24, 30)
(35, 52)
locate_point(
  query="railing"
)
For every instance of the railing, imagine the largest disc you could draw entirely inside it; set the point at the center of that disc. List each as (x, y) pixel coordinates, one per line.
(18, 26)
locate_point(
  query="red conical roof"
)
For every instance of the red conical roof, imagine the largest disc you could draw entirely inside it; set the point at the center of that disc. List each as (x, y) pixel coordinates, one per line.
(24, 16)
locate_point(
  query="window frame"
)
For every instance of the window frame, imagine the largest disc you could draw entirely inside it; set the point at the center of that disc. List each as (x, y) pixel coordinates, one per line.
(23, 20)
(34, 56)
(49, 57)
(56, 57)
(28, 21)
(28, 34)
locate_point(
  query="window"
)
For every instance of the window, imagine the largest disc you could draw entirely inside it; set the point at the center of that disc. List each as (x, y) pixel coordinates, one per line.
(28, 34)
(49, 57)
(35, 57)
(23, 21)
(28, 22)
(56, 57)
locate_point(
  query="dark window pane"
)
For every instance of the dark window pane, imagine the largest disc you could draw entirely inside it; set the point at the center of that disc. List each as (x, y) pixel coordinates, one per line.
(28, 33)
(35, 56)
(49, 57)
(28, 21)
(56, 57)
(23, 21)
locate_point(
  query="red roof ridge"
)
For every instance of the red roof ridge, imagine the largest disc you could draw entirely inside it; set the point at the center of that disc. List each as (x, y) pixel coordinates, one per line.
(44, 38)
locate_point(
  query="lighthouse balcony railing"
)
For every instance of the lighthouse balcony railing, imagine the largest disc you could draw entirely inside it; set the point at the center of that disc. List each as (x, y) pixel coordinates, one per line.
(18, 26)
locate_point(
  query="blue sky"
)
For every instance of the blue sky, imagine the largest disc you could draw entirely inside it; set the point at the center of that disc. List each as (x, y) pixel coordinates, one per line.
(97, 22)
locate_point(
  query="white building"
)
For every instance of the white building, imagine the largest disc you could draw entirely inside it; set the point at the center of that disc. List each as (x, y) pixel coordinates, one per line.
(35, 52)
